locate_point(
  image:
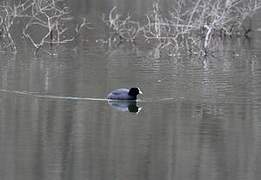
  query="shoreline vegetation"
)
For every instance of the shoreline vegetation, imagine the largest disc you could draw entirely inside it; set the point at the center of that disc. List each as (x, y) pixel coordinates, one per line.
(195, 27)
(45, 22)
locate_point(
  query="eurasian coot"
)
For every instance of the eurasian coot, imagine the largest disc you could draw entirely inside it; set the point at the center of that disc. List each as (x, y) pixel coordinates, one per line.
(124, 94)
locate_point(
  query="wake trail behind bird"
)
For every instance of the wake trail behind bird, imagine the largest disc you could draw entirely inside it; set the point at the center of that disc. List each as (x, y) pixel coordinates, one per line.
(38, 95)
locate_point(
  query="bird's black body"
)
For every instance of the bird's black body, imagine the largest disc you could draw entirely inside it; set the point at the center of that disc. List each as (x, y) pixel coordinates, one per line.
(124, 94)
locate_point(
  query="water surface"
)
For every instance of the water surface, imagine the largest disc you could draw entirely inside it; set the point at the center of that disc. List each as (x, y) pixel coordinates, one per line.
(200, 117)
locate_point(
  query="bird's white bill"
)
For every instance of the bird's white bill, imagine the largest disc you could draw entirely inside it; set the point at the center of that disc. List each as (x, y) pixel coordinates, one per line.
(140, 92)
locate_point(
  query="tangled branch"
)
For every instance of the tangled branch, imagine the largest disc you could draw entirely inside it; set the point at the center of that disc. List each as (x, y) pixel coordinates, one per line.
(43, 15)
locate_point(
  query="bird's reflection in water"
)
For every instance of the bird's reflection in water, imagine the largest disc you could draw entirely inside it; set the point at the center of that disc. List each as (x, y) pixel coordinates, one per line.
(125, 106)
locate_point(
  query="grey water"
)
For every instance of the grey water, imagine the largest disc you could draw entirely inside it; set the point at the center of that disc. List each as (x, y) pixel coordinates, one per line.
(199, 118)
